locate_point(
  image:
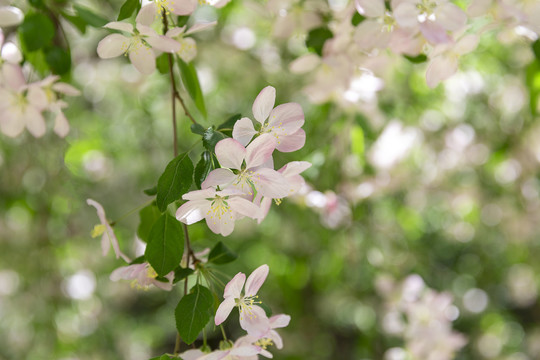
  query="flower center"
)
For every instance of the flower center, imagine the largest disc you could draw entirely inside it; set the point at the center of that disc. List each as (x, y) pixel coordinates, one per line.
(219, 208)
(163, 6)
(245, 305)
(245, 178)
(264, 343)
(274, 130)
(136, 42)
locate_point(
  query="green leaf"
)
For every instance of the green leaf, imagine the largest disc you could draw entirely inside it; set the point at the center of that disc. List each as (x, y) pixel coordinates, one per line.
(211, 137)
(89, 17)
(59, 60)
(148, 216)
(38, 61)
(316, 39)
(227, 126)
(536, 49)
(221, 254)
(151, 191)
(192, 85)
(357, 18)
(175, 181)
(138, 260)
(533, 83)
(37, 4)
(203, 168)
(165, 245)
(36, 31)
(416, 59)
(197, 129)
(357, 140)
(193, 313)
(79, 23)
(162, 357)
(181, 273)
(162, 63)
(128, 8)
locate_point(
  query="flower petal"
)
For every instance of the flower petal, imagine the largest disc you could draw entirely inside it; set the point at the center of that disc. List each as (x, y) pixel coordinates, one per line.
(233, 289)
(243, 131)
(260, 150)
(61, 125)
(182, 7)
(263, 104)
(406, 14)
(246, 350)
(440, 69)
(199, 194)
(256, 279)
(218, 177)
(10, 16)
(192, 211)
(244, 207)
(164, 43)
(286, 119)
(230, 153)
(143, 59)
(450, 16)
(118, 25)
(112, 46)
(280, 321)
(66, 89)
(221, 224)
(224, 310)
(434, 33)
(276, 338)
(35, 123)
(200, 27)
(370, 8)
(294, 168)
(13, 76)
(271, 183)
(292, 142)
(147, 14)
(254, 321)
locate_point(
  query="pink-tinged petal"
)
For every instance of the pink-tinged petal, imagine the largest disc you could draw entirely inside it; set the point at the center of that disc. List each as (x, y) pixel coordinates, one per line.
(192, 211)
(254, 321)
(221, 224)
(266, 354)
(174, 32)
(215, 355)
(406, 42)
(294, 168)
(122, 26)
(11, 53)
(243, 131)
(256, 279)
(244, 207)
(406, 14)
(224, 310)
(125, 272)
(450, 16)
(13, 76)
(370, 8)
(61, 125)
(11, 125)
(286, 119)
(105, 242)
(35, 123)
(260, 150)
(167, 286)
(66, 89)
(247, 350)
(143, 59)
(146, 30)
(112, 46)
(263, 104)
(188, 49)
(147, 14)
(201, 27)
(233, 289)
(271, 184)
(265, 208)
(466, 44)
(370, 35)
(37, 98)
(279, 321)
(305, 63)
(230, 153)
(276, 338)
(163, 43)
(182, 7)
(434, 33)
(440, 69)
(292, 142)
(218, 177)
(199, 194)
(192, 354)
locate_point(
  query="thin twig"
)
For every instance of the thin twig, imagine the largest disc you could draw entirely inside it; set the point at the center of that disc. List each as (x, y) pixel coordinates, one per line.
(186, 111)
(177, 344)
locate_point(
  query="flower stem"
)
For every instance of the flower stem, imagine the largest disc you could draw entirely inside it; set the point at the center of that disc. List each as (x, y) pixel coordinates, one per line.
(223, 333)
(177, 344)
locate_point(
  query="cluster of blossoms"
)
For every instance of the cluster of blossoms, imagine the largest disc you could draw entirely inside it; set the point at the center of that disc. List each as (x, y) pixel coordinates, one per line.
(437, 29)
(23, 103)
(142, 43)
(247, 182)
(260, 328)
(423, 317)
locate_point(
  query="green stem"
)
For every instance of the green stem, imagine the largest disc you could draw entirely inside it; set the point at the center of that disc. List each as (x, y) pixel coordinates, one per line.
(223, 333)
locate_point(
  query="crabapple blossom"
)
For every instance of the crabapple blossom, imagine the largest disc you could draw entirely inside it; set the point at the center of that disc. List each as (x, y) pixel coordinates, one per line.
(268, 336)
(432, 17)
(284, 122)
(138, 45)
(156, 9)
(142, 276)
(243, 168)
(108, 237)
(21, 105)
(219, 208)
(10, 16)
(233, 296)
(377, 29)
(188, 49)
(242, 349)
(9, 52)
(444, 59)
